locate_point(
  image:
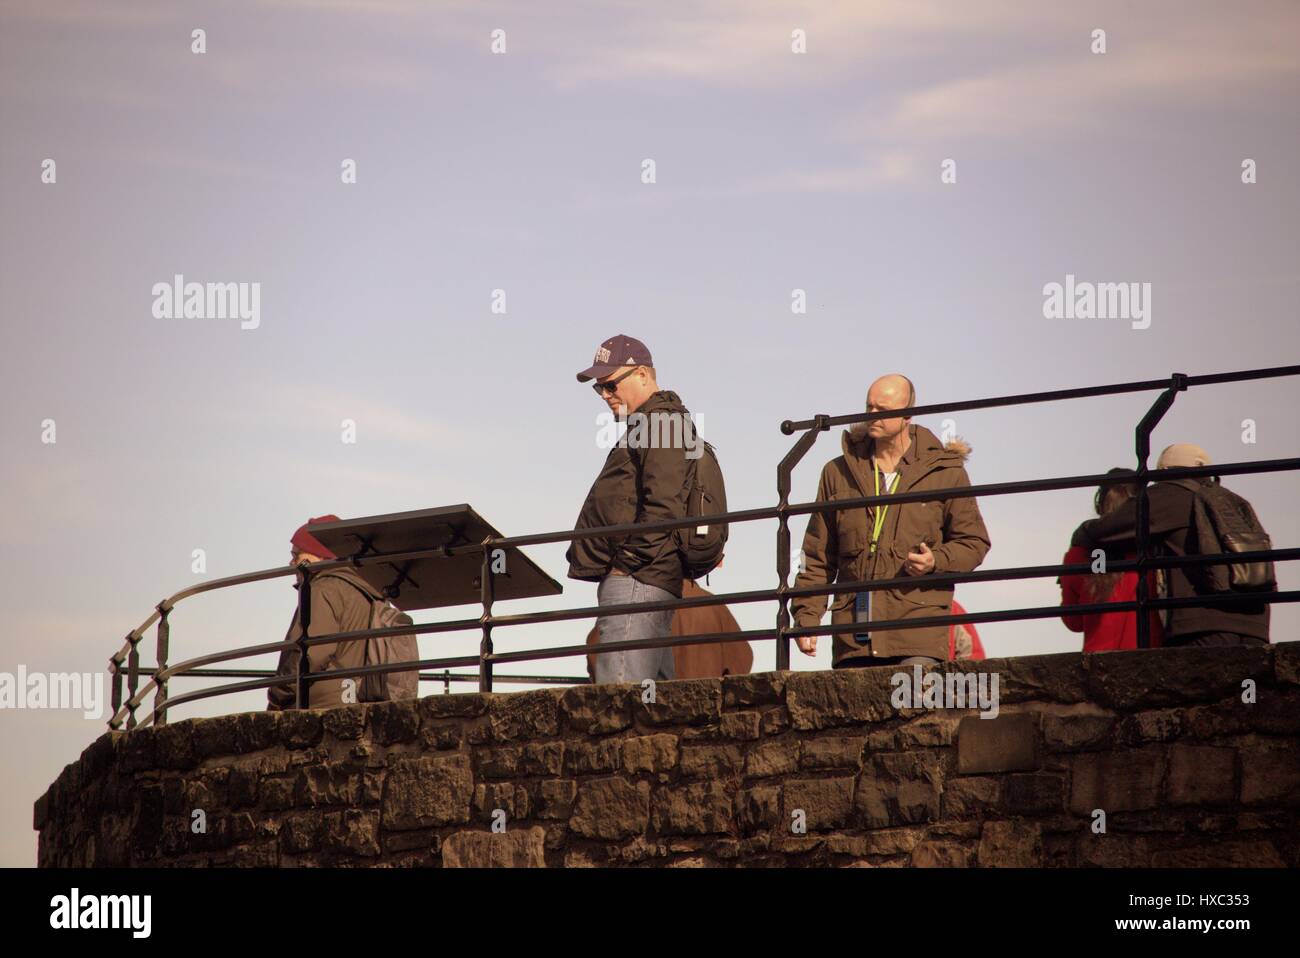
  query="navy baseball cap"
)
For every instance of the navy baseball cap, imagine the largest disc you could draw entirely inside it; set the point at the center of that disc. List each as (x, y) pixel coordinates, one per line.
(615, 352)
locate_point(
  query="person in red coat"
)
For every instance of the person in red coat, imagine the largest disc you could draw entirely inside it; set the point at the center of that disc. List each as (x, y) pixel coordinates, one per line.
(1106, 631)
(963, 640)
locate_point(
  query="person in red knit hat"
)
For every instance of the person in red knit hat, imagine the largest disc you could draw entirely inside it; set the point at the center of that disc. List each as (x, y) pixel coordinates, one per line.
(340, 602)
(1106, 631)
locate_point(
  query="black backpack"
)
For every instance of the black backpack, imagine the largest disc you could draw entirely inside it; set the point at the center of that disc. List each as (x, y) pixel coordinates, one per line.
(701, 545)
(1222, 521)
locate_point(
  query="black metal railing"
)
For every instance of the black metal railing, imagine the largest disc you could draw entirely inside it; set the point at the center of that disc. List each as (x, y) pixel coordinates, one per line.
(125, 663)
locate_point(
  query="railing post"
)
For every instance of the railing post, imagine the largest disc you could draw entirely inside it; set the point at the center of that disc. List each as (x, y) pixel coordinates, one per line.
(783, 473)
(164, 638)
(301, 694)
(487, 593)
(115, 667)
(132, 677)
(1177, 383)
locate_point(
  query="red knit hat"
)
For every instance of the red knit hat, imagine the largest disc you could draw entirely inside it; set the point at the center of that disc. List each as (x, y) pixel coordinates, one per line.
(304, 541)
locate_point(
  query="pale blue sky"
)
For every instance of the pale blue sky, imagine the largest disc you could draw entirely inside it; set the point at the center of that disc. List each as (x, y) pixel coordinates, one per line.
(775, 171)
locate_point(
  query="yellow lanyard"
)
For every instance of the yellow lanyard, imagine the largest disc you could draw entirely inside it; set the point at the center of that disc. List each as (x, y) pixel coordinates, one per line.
(880, 511)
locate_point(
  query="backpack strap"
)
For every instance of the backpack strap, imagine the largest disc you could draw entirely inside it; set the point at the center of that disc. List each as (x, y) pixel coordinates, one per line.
(367, 590)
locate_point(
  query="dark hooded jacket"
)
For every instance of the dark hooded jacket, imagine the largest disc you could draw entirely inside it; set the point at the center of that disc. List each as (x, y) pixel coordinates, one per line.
(836, 546)
(1172, 533)
(647, 484)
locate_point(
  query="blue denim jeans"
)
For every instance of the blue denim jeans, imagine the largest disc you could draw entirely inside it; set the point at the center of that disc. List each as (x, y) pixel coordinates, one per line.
(638, 664)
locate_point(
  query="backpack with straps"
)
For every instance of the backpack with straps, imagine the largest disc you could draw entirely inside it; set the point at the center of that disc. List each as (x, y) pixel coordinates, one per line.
(1223, 521)
(386, 650)
(700, 546)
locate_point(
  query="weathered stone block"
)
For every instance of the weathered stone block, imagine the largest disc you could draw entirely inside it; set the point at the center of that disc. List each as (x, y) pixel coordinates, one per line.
(1270, 776)
(1116, 781)
(773, 721)
(697, 809)
(524, 715)
(394, 723)
(520, 848)
(942, 855)
(740, 725)
(832, 751)
(588, 757)
(346, 723)
(597, 709)
(1036, 793)
(1007, 743)
(1230, 854)
(424, 792)
(299, 729)
(687, 702)
(611, 809)
(758, 808)
(971, 796)
(351, 832)
(1154, 725)
(1201, 775)
(759, 688)
(775, 756)
(1154, 677)
(555, 798)
(649, 753)
(711, 761)
(1011, 845)
(826, 802)
(929, 731)
(826, 699)
(457, 705)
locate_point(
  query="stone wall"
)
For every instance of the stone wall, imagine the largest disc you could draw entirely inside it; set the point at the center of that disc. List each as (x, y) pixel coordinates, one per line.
(722, 772)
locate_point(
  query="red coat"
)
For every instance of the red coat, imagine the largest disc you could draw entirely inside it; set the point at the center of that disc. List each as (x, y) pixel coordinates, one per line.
(1105, 631)
(969, 636)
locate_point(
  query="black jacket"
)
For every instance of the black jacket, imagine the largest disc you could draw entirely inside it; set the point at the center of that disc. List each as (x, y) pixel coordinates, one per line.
(1172, 533)
(637, 485)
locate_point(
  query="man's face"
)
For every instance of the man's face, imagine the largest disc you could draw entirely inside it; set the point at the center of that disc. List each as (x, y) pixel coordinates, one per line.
(884, 396)
(297, 557)
(628, 389)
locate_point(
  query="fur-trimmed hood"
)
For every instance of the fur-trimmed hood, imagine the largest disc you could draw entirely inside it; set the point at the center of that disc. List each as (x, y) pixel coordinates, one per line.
(855, 442)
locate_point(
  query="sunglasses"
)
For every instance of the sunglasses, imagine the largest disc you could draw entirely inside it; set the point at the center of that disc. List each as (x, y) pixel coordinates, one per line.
(611, 386)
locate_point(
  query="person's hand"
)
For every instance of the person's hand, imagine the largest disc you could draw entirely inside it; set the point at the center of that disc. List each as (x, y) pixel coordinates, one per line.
(807, 644)
(920, 563)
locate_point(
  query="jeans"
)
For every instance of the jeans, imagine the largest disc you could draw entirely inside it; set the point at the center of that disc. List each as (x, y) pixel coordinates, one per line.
(638, 664)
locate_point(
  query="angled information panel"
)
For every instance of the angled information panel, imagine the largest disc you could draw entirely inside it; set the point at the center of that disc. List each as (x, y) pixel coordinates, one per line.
(437, 580)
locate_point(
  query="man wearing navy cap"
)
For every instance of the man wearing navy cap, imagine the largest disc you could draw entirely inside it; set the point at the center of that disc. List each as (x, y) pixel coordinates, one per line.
(642, 481)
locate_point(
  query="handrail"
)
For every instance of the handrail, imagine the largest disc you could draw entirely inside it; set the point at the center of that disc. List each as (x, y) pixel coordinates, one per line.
(157, 678)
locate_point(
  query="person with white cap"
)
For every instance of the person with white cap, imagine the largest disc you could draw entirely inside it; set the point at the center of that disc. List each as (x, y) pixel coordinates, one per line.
(1174, 530)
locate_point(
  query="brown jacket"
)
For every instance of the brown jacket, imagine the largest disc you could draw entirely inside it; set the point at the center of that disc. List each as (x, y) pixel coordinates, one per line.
(336, 606)
(836, 546)
(699, 661)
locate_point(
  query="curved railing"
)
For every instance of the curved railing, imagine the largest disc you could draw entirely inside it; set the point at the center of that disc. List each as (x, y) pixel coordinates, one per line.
(125, 663)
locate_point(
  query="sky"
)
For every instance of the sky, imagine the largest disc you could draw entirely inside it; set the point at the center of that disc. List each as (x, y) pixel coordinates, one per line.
(921, 172)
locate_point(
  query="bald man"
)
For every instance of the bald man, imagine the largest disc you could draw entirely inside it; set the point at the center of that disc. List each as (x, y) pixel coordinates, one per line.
(906, 540)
